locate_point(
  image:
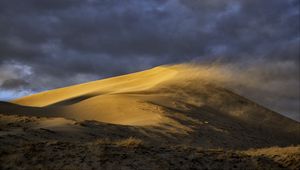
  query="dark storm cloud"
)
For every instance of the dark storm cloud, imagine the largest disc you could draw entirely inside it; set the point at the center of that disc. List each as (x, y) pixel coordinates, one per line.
(72, 41)
(14, 84)
(169, 30)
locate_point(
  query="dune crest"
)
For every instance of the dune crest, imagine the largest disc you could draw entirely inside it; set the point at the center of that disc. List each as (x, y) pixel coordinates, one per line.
(132, 82)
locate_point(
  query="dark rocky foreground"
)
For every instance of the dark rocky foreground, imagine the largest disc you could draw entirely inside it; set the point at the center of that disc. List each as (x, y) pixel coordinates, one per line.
(133, 154)
(57, 144)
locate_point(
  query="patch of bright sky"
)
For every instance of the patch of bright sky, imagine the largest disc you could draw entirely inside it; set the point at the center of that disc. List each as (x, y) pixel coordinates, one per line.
(6, 95)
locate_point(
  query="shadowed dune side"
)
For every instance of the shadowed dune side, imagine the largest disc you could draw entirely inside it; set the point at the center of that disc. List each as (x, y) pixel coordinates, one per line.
(72, 100)
(15, 109)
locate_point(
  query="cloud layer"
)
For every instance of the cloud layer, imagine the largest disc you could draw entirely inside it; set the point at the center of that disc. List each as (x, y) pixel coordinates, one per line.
(65, 42)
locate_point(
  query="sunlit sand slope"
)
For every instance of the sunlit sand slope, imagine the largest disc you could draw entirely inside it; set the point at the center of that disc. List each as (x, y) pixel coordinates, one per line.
(127, 83)
(102, 100)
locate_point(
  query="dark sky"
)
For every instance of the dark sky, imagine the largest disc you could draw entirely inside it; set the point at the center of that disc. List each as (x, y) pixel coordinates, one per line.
(46, 44)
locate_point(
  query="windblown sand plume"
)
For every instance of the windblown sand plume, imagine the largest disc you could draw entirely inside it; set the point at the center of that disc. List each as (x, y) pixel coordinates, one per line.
(173, 107)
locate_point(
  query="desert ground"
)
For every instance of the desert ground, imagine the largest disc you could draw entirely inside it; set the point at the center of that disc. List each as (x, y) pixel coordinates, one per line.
(167, 117)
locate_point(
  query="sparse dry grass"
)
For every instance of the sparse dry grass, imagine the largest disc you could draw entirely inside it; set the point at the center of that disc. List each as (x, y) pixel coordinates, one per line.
(276, 150)
(129, 142)
(119, 154)
(287, 157)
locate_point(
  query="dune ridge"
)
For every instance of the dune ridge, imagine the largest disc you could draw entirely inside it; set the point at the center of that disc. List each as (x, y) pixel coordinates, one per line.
(132, 82)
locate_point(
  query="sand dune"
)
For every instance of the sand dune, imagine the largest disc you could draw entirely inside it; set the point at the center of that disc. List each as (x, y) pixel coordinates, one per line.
(103, 100)
(141, 98)
(177, 98)
(167, 105)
